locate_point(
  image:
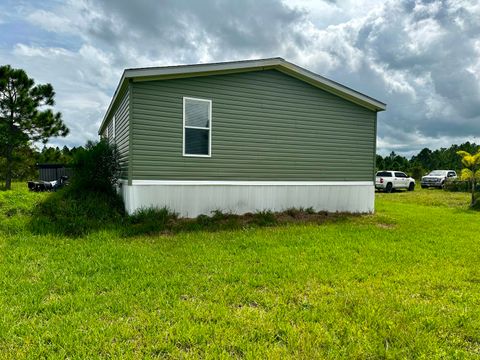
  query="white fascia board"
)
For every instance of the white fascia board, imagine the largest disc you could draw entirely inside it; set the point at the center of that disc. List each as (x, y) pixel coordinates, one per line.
(199, 68)
(326, 84)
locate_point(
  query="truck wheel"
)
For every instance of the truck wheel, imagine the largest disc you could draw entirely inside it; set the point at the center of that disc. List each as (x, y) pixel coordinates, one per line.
(388, 188)
(424, 187)
(411, 187)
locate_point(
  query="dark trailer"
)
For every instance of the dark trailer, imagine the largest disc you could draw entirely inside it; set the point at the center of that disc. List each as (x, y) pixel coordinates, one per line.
(50, 172)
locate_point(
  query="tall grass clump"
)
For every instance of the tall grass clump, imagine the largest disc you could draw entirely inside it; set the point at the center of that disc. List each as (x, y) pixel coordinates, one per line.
(149, 221)
(72, 213)
(265, 218)
(90, 202)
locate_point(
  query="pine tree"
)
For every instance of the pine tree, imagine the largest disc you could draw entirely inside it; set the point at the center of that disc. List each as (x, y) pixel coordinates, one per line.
(26, 116)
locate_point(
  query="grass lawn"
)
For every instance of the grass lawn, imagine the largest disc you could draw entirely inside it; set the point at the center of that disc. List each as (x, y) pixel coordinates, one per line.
(403, 283)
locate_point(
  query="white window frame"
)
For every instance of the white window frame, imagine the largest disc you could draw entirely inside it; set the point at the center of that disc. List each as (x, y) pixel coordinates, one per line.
(113, 128)
(199, 127)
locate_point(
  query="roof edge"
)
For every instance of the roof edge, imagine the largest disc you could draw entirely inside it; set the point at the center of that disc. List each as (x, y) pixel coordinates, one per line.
(278, 63)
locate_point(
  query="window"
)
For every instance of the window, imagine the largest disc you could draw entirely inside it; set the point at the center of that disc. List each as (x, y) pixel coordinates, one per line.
(110, 133)
(113, 127)
(400, 175)
(451, 174)
(197, 127)
(384, 173)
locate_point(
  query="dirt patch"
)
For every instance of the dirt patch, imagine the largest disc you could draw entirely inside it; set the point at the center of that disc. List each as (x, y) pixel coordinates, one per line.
(161, 221)
(386, 226)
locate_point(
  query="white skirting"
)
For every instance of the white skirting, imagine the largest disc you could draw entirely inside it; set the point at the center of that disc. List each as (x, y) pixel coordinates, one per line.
(192, 198)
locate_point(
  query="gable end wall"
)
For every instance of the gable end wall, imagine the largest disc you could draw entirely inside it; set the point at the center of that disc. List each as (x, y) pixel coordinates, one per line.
(266, 126)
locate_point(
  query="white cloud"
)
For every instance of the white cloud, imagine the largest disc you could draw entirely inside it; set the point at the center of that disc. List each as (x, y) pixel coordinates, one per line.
(325, 12)
(51, 21)
(22, 50)
(420, 57)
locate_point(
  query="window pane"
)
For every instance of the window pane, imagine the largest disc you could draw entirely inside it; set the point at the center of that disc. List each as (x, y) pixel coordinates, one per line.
(196, 113)
(196, 141)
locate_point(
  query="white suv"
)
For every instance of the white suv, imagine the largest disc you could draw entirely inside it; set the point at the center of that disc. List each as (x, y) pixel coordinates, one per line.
(389, 180)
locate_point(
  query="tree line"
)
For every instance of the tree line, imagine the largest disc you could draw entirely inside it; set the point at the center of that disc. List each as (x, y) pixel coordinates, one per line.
(418, 165)
(427, 160)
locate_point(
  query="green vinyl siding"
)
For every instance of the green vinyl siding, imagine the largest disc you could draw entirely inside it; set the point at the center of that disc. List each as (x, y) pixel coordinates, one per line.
(266, 125)
(121, 113)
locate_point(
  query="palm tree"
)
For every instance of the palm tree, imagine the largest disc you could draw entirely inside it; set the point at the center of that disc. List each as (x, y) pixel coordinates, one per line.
(471, 170)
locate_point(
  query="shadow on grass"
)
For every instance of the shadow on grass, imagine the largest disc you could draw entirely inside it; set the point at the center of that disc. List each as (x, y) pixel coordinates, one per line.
(476, 206)
(73, 213)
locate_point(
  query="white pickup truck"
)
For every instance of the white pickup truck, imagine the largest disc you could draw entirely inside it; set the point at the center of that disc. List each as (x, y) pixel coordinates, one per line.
(437, 178)
(389, 180)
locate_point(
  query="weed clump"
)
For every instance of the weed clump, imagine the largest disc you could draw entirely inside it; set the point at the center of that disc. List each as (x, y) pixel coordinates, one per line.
(149, 221)
(293, 212)
(265, 218)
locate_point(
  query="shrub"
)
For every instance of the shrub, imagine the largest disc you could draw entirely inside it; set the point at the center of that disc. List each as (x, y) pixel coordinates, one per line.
(459, 186)
(417, 172)
(219, 215)
(204, 220)
(75, 213)
(293, 212)
(90, 203)
(149, 221)
(97, 167)
(264, 218)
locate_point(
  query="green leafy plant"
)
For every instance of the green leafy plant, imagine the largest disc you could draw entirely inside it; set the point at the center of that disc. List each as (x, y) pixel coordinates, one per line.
(471, 171)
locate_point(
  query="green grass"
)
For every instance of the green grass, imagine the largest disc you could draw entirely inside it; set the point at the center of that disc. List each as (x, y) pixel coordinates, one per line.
(403, 283)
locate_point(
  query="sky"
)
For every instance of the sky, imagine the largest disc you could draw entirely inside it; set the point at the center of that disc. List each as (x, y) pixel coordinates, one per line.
(422, 58)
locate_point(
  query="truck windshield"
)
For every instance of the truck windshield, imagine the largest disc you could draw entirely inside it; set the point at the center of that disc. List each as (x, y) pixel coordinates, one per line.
(437, 173)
